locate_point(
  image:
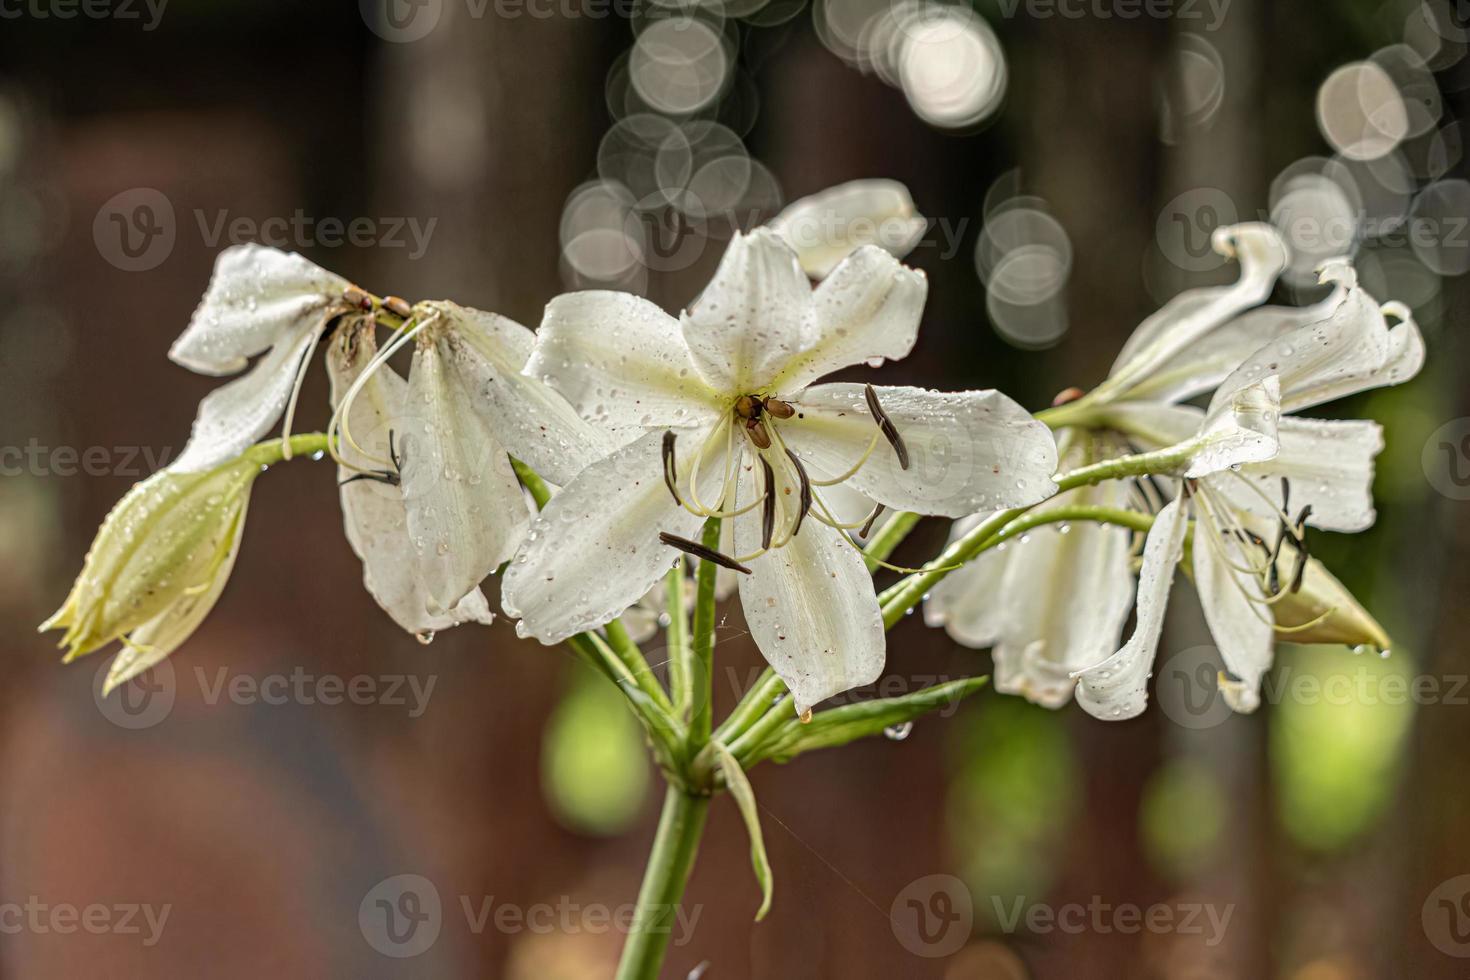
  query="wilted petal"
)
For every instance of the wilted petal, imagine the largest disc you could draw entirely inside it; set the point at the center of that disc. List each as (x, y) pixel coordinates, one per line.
(826, 227)
(1117, 688)
(749, 320)
(1238, 621)
(968, 451)
(812, 611)
(373, 512)
(1330, 466)
(595, 549)
(1191, 315)
(235, 416)
(466, 513)
(257, 297)
(487, 354)
(867, 310)
(621, 361)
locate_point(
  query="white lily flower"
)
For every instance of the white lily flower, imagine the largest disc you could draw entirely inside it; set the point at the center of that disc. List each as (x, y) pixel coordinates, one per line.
(259, 299)
(826, 227)
(373, 510)
(1321, 477)
(732, 426)
(466, 410)
(1048, 604)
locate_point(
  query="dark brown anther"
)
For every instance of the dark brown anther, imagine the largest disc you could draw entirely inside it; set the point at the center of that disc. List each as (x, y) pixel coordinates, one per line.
(701, 552)
(1067, 395)
(806, 492)
(778, 408)
(868, 526)
(748, 407)
(671, 466)
(357, 299)
(758, 434)
(768, 505)
(886, 426)
(398, 306)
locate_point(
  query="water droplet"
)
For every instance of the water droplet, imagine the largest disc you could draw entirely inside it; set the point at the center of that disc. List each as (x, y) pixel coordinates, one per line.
(899, 732)
(426, 637)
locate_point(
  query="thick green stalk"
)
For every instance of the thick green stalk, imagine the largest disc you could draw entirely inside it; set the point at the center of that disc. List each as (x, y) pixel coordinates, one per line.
(669, 862)
(629, 653)
(702, 675)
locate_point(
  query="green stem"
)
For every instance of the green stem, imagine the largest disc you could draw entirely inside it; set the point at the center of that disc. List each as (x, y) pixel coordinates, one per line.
(677, 636)
(702, 675)
(750, 741)
(669, 862)
(629, 653)
(889, 536)
(752, 707)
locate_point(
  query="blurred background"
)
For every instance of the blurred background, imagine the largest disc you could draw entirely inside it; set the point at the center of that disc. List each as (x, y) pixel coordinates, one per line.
(304, 790)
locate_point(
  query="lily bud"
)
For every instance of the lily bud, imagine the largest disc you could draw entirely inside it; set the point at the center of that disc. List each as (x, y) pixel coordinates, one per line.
(1325, 602)
(157, 566)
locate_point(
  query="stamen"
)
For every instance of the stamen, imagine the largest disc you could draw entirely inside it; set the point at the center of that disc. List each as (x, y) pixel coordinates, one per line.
(886, 426)
(701, 552)
(338, 423)
(296, 395)
(671, 466)
(868, 526)
(806, 490)
(768, 512)
(398, 306)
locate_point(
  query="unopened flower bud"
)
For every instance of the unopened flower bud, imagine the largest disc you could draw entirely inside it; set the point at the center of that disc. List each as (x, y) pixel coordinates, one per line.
(1325, 603)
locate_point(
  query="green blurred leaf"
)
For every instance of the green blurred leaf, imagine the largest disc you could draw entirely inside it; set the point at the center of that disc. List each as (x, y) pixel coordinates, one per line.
(744, 798)
(594, 771)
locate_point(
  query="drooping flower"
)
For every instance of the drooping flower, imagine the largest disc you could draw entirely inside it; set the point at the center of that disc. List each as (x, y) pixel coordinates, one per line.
(373, 510)
(828, 226)
(466, 410)
(720, 417)
(259, 299)
(157, 566)
(1246, 517)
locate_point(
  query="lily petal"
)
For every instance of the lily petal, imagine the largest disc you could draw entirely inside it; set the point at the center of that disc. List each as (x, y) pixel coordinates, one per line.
(1194, 313)
(466, 513)
(824, 228)
(867, 310)
(488, 353)
(1239, 623)
(1117, 688)
(969, 451)
(1241, 430)
(749, 319)
(595, 549)
(968, 602)
(1330, 466)
(374, 515)
(257, 297)
(235, 416)
(621, 361)
(812, 611)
